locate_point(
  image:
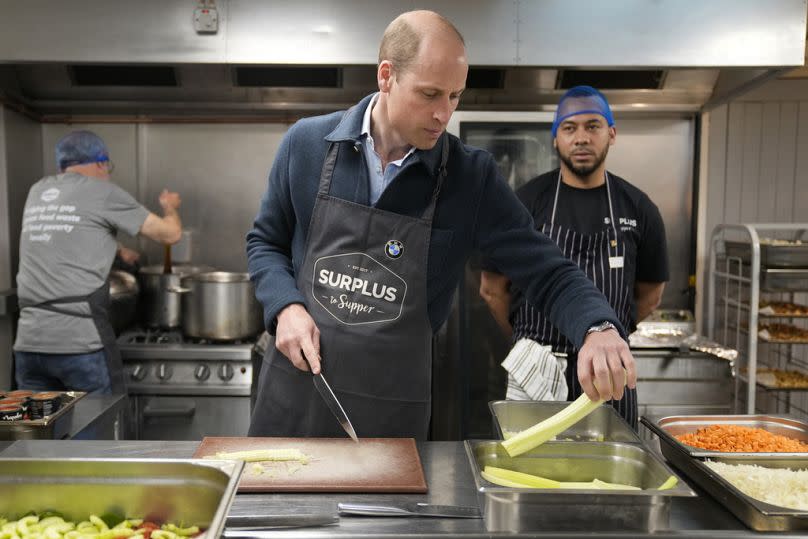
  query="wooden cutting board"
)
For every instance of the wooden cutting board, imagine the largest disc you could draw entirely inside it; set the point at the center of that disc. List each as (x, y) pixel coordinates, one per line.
(335, 464)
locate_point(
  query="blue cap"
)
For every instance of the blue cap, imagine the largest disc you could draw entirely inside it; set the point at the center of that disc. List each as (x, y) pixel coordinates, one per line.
(80, 148)
(582, 100)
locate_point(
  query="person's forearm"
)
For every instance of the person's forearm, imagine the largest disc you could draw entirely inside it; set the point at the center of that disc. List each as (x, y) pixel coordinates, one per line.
(171, 218)
(500, 308)
(647, 296)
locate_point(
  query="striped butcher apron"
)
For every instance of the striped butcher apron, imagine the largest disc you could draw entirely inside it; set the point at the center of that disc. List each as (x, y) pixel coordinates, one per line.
(601, 256)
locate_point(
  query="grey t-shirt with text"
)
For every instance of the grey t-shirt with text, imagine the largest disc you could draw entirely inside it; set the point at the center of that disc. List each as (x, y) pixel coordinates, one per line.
(67, 246)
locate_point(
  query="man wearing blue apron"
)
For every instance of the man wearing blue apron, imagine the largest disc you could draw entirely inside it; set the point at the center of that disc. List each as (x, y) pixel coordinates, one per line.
(362, 237)
(605, 225)
(67, 246)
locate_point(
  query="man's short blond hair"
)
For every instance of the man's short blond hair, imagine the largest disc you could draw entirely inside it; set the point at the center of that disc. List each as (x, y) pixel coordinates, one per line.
(402, 41)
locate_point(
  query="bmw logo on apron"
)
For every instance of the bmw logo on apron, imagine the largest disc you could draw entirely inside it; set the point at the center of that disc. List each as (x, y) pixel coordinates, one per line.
(393, 249)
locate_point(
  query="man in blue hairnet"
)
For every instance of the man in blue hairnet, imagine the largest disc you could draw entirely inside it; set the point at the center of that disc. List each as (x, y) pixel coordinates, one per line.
(67, 246)
(608, 227)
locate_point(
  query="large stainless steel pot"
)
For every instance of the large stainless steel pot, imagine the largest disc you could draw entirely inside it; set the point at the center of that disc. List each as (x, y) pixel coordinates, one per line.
(123, 297)
(160, 299)
(220, 306)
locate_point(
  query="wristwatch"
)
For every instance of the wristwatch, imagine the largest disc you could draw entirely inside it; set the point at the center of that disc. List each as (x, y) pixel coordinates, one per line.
(603, 326)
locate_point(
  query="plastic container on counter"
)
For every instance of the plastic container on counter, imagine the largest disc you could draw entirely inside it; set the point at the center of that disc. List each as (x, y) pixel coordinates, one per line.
(10, 412)
(44, 404)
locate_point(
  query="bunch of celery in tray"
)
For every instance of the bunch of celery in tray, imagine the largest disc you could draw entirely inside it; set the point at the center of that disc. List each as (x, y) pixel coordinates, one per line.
(542, 432)
(550, 427)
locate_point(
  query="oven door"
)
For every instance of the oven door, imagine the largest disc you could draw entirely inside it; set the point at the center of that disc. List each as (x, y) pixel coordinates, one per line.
(192, 417)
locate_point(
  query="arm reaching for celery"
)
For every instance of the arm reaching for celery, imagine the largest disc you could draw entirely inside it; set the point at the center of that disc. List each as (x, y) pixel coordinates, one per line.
(603, 356)
(552, 426)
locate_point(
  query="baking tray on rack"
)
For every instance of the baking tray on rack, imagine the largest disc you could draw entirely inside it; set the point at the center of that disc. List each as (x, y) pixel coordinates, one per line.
(756, 514)
(50, 427)
(771, 255)
(784, 279)
(775, 309)
(667, 428)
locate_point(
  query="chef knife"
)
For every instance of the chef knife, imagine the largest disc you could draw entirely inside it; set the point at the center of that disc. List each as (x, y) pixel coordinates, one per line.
(333, 404)
(408, 510)
(246, 525)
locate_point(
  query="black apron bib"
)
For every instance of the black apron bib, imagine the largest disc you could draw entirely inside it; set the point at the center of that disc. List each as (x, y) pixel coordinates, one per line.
(364, 282)
(99, 313)
(601, 257)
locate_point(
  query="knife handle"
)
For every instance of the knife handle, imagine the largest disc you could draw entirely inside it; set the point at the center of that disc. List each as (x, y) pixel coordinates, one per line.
(372, 510)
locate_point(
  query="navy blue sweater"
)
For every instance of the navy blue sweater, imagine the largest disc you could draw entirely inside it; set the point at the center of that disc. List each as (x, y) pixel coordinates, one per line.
(476, 210)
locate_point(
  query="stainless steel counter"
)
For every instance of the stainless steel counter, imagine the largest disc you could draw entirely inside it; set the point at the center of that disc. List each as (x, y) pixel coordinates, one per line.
(449, 479)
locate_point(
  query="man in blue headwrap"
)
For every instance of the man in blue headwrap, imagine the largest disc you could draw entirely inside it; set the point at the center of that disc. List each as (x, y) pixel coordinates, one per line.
(608, 227)
(67, 246)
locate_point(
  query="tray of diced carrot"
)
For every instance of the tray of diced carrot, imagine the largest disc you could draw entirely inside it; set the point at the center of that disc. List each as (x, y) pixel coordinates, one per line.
(715, 435)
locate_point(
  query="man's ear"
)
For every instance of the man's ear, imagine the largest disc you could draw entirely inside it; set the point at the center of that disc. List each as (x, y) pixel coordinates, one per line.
(612, 135)
(384, 75)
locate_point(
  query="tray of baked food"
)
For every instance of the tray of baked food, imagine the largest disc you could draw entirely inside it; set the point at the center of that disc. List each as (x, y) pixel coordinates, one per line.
(782, 309)
(783, 333)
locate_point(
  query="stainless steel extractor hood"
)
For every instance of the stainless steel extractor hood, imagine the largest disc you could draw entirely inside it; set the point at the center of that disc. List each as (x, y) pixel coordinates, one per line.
(63, 61)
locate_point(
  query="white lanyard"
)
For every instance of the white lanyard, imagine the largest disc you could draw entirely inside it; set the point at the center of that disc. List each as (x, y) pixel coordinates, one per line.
(614, 261)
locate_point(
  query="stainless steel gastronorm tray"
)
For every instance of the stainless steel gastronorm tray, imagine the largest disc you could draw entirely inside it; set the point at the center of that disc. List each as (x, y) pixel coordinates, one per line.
(773, 256)
(667, 428)
(775, 280)
(754, 513)
(603, 424)
(184, 492)
(515, 509)
(52, 427)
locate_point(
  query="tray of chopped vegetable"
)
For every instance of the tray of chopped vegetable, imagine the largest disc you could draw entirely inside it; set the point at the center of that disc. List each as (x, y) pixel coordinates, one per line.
(767, 493)
(115, 498)
(719, 435)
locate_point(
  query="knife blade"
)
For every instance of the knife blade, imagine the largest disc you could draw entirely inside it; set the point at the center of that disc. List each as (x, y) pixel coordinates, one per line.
(408, 510)
(333, 404)
(241, 524)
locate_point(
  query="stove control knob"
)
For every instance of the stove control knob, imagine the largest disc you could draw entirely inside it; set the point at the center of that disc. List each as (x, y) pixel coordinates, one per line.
(226, 372)
(164, 372)
(138, 373)
(202, 373)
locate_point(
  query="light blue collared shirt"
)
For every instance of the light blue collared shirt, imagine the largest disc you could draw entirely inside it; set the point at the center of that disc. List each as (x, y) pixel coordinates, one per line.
(379, 179)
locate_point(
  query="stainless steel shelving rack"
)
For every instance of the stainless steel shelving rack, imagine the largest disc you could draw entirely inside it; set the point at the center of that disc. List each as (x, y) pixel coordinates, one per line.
(739, 272)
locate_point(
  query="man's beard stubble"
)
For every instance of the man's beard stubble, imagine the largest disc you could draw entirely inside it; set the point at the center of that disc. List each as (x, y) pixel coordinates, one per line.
(583, 171)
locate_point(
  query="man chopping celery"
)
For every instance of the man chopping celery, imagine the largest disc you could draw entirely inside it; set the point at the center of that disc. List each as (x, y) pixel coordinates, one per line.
(362, 237)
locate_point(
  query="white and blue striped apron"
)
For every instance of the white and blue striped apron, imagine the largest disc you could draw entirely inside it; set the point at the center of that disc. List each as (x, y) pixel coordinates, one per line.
(601, 257)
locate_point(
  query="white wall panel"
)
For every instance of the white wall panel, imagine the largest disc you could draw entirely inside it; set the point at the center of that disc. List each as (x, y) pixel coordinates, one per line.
(766, 187)
(733, 184)
(786, 143)
(800, 195)
(750, 162)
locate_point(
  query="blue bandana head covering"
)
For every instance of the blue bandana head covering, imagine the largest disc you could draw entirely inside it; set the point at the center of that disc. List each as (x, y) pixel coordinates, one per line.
(582, 100)
(80, 148)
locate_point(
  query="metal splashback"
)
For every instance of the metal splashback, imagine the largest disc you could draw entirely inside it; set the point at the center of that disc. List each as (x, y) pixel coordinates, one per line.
(705, 50)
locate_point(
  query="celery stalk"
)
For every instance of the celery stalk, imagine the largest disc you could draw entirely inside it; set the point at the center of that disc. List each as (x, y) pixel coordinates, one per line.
(550, 427)
(529, 480)
(669, 483)
(502, 482)
(613, 486)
